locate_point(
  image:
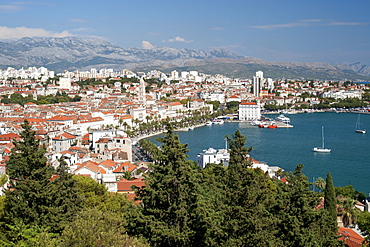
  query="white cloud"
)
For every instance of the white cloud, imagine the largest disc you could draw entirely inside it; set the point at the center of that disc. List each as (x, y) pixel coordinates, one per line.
(20, 32)
(78, 20)
(179, 39)
(307, 23)
(147, 45)
(10, 8)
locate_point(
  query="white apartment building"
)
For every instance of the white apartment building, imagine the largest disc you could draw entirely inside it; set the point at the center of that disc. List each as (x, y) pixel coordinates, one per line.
(214, 156)
(249, 111)
(257, 83)
(65, 83)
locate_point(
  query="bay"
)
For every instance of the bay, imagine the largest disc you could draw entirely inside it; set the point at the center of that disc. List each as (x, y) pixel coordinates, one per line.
(348, 162)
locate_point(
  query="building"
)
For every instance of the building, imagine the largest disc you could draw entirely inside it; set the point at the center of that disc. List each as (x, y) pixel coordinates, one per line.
(249, 111)
(65, 83)
(214, 156)
(257, 83)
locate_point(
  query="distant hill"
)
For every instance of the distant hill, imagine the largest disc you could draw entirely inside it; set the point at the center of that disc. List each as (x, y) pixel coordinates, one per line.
(72, 53)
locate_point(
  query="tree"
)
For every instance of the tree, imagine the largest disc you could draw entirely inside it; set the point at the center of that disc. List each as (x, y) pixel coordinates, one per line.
(169, 198)
(249, 194)
(26, 199)
(363, 221)
(320, 183)
(300, 222)
(27, 156)
(95, 227)
(34, 197)
(330, 203)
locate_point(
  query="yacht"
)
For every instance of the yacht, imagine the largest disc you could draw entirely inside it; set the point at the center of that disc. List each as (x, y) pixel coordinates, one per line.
(322, 149)
(218, 121)
(283, 119)
(255, 122)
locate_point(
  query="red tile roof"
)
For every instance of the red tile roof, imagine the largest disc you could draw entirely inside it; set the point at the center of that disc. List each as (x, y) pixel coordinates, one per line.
(350, 237)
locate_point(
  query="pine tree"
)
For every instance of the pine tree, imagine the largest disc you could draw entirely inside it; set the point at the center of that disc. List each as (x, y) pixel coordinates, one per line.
(300, 222)
(169, 197)
(29, 178)
(27, 156)
(330, 203)
(34, 198)
(249, 194)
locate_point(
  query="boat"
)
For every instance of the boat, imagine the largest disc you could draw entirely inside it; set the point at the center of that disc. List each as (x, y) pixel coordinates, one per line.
(322, 149)
(358, 126)
(209, 123)
(272, 125)
(255, 122)
(283, 119)
(218, 121)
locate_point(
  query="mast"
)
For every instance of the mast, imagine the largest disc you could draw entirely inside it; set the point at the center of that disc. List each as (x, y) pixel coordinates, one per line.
(322, 129)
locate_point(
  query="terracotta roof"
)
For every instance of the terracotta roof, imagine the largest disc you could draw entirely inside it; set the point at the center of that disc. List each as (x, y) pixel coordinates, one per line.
(9, 137)
(350, 237)
(60, 118)
(124, 185)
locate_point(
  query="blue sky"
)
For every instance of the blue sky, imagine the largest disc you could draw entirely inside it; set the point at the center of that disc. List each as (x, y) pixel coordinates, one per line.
(305, 31)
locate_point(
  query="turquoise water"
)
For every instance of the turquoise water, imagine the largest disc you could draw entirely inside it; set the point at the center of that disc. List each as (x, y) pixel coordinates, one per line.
(348, 162)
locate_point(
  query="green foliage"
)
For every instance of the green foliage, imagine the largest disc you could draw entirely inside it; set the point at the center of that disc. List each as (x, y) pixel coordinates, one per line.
(17, 98)
(349, 191)
(299, 222)
(330, 199)
(232, 105)
(94, 227)
(169, 197)
(21, 234)
(34, 198)
(363, 222)
(92, 193)
(227, 206)
(215, 103)
(27, 156)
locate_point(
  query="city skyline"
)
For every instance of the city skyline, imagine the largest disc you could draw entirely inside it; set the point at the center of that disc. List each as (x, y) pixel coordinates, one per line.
(315, 31)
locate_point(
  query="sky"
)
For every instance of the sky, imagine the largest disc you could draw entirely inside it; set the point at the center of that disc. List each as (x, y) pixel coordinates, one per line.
(302, 30)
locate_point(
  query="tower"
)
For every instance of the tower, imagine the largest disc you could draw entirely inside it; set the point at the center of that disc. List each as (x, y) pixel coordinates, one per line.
(142, 98)
(257, 83)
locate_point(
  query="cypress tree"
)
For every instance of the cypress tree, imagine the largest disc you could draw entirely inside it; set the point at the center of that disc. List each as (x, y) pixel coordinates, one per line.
(300, 222)
(330, 203)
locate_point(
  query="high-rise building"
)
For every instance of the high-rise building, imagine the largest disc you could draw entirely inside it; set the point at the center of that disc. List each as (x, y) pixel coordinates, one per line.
(257, 83)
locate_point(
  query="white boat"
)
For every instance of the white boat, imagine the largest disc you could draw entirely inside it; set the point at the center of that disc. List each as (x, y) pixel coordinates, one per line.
(322, 149)
(218, 121)
(255, 122)
(283, 119)
(358, 126)
(209, 123)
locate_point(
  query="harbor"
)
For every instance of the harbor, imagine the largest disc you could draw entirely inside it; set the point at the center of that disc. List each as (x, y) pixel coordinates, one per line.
(348, 161)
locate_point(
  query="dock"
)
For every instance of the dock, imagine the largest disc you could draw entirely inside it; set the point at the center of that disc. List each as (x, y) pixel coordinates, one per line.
(283, 125)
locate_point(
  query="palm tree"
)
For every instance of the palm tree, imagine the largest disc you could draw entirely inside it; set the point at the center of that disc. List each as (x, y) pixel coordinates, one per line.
(320, 184)
(348, 211)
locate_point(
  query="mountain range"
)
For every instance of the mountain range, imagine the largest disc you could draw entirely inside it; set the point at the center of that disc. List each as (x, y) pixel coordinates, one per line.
(73, 53)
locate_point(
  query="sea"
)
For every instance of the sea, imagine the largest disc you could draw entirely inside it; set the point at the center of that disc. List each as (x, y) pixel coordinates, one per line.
(348, 162)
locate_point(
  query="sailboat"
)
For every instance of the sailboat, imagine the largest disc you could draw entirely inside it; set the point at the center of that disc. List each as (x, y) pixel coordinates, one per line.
(322, 149)
(358, 127)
